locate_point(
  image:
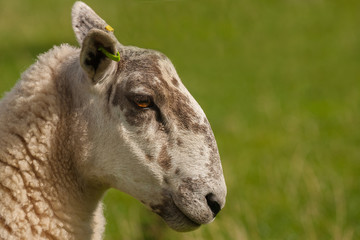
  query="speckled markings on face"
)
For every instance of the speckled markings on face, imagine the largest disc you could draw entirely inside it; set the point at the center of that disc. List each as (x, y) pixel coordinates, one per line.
(154, 75)
(164, 158)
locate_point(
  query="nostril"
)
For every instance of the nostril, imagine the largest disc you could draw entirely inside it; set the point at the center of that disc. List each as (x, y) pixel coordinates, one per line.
(213, 204)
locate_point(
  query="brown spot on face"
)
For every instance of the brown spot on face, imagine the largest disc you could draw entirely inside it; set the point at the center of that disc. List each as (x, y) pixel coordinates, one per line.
(187, 184)
(214, 165)
(179, 142)
(183, 112)
(166, 180)
(200, 128)
(149, 157)
(175, 82)
(191, 185)
(177, 171)
(164, 158)
(210, 142)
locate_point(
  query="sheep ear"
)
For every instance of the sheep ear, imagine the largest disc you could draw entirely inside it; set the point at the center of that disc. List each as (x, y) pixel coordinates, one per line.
(84, 19)
(99, 55)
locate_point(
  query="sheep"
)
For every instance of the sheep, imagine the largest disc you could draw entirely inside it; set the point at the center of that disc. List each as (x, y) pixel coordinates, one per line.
(83, 120)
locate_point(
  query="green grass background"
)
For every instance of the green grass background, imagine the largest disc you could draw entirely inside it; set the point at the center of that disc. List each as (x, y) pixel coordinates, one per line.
(280, 83)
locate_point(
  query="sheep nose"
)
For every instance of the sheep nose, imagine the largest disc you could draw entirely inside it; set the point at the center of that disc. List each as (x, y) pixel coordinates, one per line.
(213, 203)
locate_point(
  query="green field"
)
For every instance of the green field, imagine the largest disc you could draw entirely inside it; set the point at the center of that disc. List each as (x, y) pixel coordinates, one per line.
(280, 83)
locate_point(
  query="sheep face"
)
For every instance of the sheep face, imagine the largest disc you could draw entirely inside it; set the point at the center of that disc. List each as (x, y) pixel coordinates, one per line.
(149, 137)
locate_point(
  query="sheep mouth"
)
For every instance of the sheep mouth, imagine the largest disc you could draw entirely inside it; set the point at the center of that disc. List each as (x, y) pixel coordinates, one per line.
(173, 216)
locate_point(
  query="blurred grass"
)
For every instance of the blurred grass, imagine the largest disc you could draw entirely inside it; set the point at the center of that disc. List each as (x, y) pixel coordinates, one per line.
(280, 83)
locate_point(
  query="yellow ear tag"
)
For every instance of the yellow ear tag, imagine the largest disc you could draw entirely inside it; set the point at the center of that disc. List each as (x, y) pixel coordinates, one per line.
(109, 28)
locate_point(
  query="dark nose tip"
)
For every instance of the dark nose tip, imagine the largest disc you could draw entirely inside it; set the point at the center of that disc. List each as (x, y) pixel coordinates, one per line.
(213, 203)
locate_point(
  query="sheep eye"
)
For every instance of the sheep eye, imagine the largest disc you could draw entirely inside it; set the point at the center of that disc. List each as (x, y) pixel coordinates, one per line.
(143, 101)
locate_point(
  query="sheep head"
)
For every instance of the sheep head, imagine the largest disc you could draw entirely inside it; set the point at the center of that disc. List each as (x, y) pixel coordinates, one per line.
(149, 137)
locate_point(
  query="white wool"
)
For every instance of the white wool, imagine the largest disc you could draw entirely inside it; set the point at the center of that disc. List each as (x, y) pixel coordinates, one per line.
(34, 185)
